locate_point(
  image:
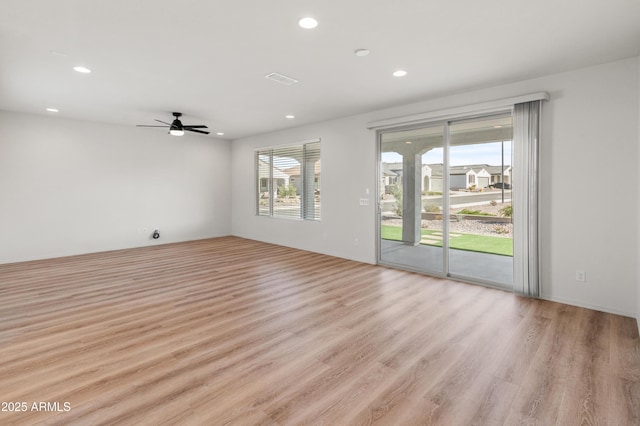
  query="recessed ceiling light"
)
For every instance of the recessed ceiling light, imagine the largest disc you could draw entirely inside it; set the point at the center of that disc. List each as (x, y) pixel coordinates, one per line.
(290, 116)
(408, 142)
(220, 133)
(497, 127)
(361, 52)
(399, 73)
(81, 69)
(52, 109)
(308, 23)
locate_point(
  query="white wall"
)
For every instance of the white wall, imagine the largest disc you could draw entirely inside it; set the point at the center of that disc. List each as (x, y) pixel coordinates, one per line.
(70, 187)
(590, 123)
(348, 173)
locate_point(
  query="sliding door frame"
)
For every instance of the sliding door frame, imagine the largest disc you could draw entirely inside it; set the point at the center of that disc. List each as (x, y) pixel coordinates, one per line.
(446, 123)
(445, 241)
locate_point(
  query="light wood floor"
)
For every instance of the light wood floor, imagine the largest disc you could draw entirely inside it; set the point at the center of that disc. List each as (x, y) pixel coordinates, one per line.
(231, 331)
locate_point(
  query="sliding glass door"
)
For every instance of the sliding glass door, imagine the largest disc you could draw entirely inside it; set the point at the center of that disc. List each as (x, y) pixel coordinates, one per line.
(445, 191)
(480, 230)
(411, 191)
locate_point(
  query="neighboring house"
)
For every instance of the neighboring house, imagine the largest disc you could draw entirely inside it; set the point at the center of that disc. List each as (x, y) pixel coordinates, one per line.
(431, 176)
(295, 179)
(432, 180)
(464, 177)
(387, 177)
(394, 171)
(280, 178)
(395, 168)
(498, 174)
(483, 178)
(460, 177)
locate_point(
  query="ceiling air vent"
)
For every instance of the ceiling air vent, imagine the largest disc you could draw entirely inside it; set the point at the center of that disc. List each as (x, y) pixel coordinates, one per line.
(282, 79)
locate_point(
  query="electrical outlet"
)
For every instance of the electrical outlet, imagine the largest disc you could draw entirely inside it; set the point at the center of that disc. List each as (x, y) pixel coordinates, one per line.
(364, 201)
(581, 276)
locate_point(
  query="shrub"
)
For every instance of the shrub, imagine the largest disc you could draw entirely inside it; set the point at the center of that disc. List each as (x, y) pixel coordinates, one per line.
(474, 212)
(467, 211)
(507, 211)
(431, 208)
(286, 191)
(396, 191)
(493, 203)
(501, 229)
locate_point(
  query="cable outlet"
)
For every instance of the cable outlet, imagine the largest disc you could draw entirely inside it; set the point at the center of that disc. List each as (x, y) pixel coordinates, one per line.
(581, 276)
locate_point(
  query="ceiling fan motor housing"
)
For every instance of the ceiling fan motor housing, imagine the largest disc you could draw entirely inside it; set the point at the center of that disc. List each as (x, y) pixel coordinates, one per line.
(177, 124)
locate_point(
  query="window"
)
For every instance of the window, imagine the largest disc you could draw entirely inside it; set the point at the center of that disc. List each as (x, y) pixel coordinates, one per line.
(288, 181)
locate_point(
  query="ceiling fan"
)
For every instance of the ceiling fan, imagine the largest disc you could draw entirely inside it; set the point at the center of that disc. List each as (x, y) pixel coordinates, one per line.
(176, 128)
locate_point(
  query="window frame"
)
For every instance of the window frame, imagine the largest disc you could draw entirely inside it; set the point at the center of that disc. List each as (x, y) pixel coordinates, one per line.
(309, 209)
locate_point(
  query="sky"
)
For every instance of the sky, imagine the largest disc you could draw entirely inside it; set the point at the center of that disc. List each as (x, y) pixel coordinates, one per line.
(486, 153)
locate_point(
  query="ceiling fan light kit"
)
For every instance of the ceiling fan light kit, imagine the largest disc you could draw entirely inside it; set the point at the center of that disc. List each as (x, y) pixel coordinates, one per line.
(176, 128)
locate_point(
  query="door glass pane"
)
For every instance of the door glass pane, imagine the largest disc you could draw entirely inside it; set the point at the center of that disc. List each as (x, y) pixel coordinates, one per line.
(481, 230)
(411, 191)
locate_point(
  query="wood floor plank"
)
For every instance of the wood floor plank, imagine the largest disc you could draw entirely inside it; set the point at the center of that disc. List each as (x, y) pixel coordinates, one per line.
(542, 389)
(234, 331)
(624, 396)
(525, 342)
(487, 402)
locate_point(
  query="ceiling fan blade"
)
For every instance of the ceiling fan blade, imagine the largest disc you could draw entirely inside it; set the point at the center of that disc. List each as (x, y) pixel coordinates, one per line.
(197, 131)
(198, 126)
(163, 122)
(144, 125)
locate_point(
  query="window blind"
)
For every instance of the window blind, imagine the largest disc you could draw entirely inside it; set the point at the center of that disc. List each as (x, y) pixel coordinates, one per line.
(288, 181)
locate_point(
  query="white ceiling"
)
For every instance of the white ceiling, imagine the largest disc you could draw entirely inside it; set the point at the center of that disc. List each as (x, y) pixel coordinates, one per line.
(208, 59)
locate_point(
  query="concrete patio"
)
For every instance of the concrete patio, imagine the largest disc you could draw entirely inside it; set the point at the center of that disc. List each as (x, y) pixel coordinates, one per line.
(495, 269)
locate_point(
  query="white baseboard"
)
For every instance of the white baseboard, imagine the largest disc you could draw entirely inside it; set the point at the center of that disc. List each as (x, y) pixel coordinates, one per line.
(591, 306)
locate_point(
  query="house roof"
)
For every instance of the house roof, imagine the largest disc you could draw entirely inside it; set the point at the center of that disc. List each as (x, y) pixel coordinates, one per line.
(209, 60)
(295, 171)
(277, 173)
(387, 171)
(436, 168)
(496, 170)
(461, 170)
(394, 166)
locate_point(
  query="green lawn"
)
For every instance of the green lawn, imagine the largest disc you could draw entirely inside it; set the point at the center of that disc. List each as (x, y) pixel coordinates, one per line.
(470, 242)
